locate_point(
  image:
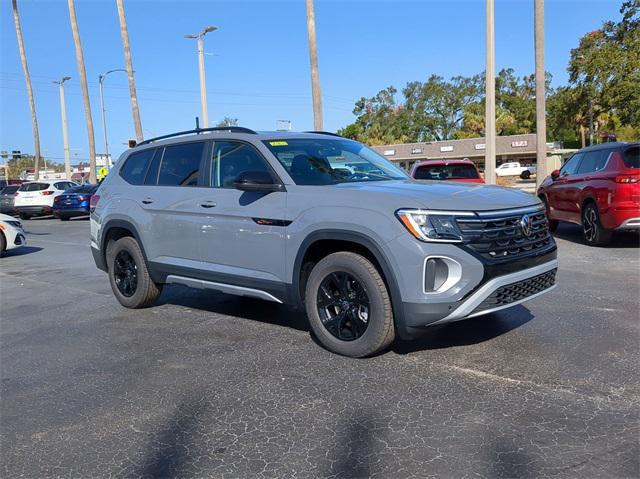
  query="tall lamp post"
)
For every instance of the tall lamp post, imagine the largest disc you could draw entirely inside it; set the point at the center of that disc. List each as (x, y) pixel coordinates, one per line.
(203, 84)
(65, 133)
(541, 120)
(490, 98)
(101, 79)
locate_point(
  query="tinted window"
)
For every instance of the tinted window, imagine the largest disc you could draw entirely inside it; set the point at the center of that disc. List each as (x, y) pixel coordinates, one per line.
(231, 158)
(63, 185)
(570, 167)
(631, 157)
(135, 167)
(9, 190)
(87, 188)
(34, 186)
(181, 165)
(446, 172)
(152, 172)
(593, 161)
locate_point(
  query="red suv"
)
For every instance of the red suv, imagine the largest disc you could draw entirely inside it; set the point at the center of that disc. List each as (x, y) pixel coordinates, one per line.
(452, 170)
(598, 188)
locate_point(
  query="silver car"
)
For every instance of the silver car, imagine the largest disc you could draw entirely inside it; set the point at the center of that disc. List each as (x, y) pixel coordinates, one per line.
(321, 222)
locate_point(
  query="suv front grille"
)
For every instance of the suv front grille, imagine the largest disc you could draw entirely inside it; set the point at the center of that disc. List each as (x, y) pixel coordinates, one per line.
(501, 237)
(516, 291)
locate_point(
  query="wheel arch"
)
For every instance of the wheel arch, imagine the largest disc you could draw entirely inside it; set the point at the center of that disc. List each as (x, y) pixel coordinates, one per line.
(323, 242)
(116, 229)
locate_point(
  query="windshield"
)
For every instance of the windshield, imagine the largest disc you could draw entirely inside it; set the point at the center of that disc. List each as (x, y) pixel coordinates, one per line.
(324, 161)
(446, 172)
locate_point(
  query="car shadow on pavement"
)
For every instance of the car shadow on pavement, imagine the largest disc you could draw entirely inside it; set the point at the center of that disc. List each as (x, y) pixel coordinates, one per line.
(353, 451)
(21, 251)
(466, 332)
(621, 239)
(241, 307)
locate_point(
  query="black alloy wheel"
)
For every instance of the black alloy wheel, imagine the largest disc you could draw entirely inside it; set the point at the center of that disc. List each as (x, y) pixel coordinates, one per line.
(343, 306)
(125, 273)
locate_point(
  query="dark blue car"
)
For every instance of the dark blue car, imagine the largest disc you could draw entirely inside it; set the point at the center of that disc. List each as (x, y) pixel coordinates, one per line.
(73, 202)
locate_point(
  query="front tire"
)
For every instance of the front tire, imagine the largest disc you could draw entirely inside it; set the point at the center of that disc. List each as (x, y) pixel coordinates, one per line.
(525, 175)
(348, 305)
(593, 232)
(128, 275)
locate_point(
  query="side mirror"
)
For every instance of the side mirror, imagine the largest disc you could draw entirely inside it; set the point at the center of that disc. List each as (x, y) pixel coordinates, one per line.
(256, 181)
(555, 174)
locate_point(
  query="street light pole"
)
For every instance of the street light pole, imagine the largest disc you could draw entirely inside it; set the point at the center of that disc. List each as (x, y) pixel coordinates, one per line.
(490, 98)
(101, 79)
(541, 121)
(65, 133)
(203, 83)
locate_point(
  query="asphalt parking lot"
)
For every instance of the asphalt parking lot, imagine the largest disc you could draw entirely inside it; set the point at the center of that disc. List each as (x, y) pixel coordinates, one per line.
(208, 385)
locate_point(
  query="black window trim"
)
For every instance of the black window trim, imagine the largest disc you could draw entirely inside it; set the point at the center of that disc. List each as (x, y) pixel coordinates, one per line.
(209, 162)
(623, 152)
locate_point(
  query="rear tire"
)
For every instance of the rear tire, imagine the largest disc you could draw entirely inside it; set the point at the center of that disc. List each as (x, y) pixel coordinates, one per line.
(24, 216)
(348, 305)
(525, 175)
(128, 275)
(592, 230)
(64, 218)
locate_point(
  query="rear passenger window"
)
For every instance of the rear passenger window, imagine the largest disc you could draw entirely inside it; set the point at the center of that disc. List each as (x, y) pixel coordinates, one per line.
(631, 157)
(180, 165)
(34, 187)
(135, 167)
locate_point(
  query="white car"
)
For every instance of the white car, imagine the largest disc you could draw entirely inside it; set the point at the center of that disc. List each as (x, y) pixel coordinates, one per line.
(514, 168)
(11, 233)
(36, 197)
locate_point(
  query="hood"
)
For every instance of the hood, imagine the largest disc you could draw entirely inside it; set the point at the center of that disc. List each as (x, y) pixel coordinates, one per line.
(444, 195)
(7, 218)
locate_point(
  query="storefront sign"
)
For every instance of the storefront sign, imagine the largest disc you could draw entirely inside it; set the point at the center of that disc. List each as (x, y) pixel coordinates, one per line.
(446, 148)
(519, 144)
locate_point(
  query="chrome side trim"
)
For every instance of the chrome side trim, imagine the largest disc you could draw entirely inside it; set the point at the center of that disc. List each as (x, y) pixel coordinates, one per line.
(512, 211)
(465, 310)
(222, 287)
(631, 223)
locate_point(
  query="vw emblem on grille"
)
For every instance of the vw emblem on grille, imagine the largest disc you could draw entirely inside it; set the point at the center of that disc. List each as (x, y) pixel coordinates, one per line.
(526, 224)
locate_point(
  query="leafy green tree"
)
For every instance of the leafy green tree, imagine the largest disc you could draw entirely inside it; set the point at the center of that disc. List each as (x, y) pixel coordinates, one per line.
(227, 121)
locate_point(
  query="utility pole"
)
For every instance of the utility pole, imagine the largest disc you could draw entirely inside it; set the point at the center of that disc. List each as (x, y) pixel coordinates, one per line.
(65, 133)
(203, 83)
(101, 79)
(490, 98)
(313, 60)
(541, 118)
(124, 33)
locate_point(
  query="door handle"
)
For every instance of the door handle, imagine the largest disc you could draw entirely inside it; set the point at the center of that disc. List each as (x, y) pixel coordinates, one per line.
(147, 201)
(208, 204)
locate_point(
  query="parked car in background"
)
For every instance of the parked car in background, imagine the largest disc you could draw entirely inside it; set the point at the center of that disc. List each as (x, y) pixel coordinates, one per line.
(11, 234)
(598, 188)
(514, 168)
(7, 198)
(36, 197)
(451, 170)
(74, 202)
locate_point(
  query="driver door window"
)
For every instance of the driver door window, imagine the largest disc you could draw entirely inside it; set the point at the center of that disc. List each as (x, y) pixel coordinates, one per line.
(230, 159)
(571, 166)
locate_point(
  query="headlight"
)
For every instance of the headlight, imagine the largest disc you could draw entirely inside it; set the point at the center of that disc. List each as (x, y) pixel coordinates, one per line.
(15, 224)
(435, 226)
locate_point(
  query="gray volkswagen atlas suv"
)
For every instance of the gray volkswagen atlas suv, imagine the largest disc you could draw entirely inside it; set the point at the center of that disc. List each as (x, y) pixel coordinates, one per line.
(317, 221)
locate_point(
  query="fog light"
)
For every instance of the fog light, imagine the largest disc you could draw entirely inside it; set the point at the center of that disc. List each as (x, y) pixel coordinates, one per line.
(440, 274)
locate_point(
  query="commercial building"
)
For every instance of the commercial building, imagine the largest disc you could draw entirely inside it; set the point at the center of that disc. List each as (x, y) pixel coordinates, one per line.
(520, 148)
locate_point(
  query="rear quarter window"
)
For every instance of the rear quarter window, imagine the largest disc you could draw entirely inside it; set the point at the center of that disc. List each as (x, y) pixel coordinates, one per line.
(631, 157)
(135, 166)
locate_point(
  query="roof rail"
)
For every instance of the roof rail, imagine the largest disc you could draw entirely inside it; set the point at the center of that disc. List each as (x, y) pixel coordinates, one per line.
(197, 131)
(324, 133)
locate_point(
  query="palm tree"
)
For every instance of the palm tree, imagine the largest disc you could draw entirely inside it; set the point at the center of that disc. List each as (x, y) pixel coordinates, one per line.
(27, 77)
(124, 32)
(85, 91)
(313, 59)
